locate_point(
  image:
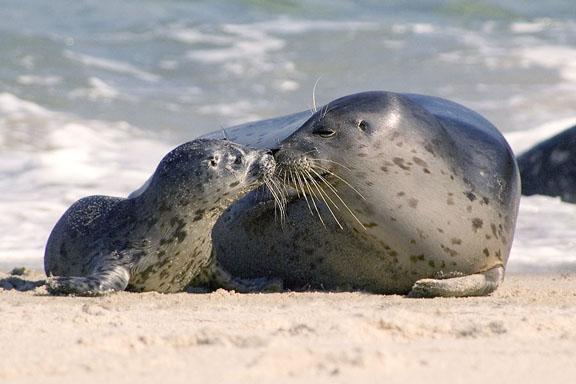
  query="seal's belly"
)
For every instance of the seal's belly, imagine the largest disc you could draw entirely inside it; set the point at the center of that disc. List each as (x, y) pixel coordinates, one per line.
(171, 268)
(307, 255)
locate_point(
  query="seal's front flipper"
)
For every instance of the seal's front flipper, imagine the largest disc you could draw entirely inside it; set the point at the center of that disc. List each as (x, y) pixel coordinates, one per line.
(97, 284)
(218, 277)
(479, 284)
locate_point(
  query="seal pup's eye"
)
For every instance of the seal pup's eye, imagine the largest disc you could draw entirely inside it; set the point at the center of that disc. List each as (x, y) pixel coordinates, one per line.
(213, 161)
(324, 132)
(362, 125)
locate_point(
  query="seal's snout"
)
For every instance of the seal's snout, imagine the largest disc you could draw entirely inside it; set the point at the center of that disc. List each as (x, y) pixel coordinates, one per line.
(288, 158)
(262, 166)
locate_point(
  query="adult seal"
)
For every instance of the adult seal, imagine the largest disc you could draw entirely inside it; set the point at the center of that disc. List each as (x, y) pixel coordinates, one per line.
(159, 240)
(417, 195)
(549, 168)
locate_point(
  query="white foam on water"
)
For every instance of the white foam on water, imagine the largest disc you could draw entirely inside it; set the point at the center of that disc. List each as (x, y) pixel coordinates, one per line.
(239, 46)
(50, 159)
(38, 80)
(112, 65)
(559, 57)
(98, 90)
(520, 141)
(533, 26)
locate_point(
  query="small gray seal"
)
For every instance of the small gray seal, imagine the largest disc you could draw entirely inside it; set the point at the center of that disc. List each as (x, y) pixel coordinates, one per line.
(549, 168)
(159, 240)
(417, 195)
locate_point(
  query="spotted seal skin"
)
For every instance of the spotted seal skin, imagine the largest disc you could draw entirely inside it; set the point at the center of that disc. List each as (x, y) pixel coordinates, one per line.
(159, 240)
(425, 192)
(549, 168)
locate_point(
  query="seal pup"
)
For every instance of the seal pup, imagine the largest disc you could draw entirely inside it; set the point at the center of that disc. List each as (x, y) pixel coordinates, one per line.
(417, 195)
(549, 168)
(160, 240)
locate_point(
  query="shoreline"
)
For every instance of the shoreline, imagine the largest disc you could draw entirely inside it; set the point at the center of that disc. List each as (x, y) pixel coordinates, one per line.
(525, 332)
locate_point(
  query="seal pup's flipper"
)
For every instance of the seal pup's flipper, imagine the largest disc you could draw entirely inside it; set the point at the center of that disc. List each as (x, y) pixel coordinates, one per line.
(478, 284)
(217, 277)
(101, 282)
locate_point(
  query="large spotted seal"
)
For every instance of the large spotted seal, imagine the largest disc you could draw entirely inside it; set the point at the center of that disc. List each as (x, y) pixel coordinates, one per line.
(417, 194)
(549, 168)
(161, 239)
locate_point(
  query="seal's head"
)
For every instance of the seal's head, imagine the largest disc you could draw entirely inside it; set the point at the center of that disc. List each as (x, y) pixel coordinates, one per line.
(206, 169)
(332, 157)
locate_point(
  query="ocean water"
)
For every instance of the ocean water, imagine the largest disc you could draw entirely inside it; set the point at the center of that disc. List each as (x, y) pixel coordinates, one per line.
(94, 93)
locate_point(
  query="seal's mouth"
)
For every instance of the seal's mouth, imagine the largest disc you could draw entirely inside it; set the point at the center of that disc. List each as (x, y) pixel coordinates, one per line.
(312, 179)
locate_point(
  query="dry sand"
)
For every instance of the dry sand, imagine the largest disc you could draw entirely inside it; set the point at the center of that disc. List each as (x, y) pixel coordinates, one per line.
(524, 333)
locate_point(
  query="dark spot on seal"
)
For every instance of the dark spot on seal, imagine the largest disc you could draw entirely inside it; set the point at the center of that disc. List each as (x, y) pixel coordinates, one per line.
(420, 162)
(449, 201)
(426, 170)
(416, 258)
(477, 224)
(449, 251)
(181, 236)
(486, 201)
(370, 225)
(456, 241)
(431, 263)
(498, 255)
(412, 241)
(469, 208)
(400, 194)
(400, 162)
(412, 203)
(471, 196)
(494, 231)
(440, 230)
(362, 155)
(384, 169)
(428, 148)
(486, 252)
(235, 183)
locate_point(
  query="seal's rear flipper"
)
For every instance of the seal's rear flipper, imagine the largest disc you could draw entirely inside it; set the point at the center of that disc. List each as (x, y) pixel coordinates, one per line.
(479, 284)
(97, 284)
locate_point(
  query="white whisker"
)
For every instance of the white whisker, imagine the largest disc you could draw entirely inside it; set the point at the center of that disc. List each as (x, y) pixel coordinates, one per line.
(341, 179)
(314, 107)
(323, 195)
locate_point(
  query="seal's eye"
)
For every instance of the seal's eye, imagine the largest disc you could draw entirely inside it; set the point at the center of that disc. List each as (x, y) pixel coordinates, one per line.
(324, 132)
(213, 161)
(362, 125)
(238, 159)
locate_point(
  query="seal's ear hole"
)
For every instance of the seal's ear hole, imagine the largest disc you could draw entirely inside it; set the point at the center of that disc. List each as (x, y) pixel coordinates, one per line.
(362, 125)
(324, 132)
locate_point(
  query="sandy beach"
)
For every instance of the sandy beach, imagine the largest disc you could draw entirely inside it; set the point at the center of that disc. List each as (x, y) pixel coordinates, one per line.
(524, 333)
